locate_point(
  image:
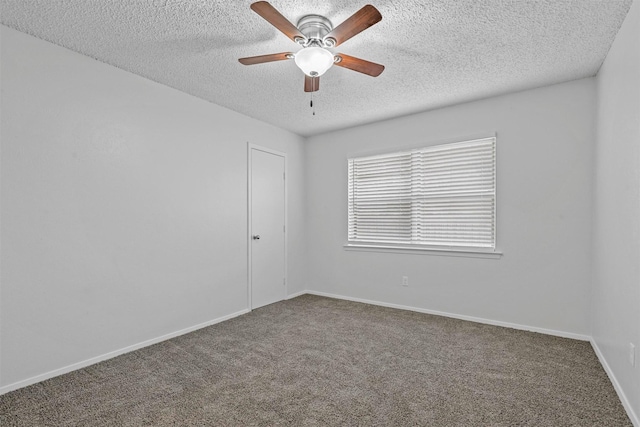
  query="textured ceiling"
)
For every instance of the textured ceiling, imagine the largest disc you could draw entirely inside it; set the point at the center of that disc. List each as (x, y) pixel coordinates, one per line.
(436, 53)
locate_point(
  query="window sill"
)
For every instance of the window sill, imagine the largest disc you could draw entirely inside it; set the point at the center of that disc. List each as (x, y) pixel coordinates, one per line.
(467, 253)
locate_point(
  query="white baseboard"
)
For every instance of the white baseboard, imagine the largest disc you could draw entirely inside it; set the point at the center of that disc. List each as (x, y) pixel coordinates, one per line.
(553, 332)
(616, 385)
(112, 354)
(297, 294)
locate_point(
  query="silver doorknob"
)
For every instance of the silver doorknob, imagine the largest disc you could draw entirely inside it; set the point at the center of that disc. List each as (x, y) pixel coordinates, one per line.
(256, 237)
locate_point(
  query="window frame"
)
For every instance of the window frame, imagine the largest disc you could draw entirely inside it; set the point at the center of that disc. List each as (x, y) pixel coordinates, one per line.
(426, 248)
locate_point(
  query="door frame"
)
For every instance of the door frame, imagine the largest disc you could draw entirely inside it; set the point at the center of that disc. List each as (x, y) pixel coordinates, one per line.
(250, 148)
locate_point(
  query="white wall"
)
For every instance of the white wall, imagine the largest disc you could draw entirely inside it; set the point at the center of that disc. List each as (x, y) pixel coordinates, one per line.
(123, 208)
(545, 144)
(616, 287)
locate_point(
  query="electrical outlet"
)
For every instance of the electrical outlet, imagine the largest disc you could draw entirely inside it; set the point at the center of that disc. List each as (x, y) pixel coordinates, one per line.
(405, 281)
(632, 354)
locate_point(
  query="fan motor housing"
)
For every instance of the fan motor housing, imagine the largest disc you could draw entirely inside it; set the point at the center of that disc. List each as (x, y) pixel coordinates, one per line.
(315, 28)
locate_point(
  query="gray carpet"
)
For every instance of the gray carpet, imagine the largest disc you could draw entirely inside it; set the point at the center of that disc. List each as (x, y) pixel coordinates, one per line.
(318, 361)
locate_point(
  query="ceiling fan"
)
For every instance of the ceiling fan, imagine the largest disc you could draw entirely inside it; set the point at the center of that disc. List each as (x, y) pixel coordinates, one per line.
(316, 34)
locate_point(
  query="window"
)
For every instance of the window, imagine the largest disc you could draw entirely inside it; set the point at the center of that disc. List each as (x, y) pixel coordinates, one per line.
(442, 196)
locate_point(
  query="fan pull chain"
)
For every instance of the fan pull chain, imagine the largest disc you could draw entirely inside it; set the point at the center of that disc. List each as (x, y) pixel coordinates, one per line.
(313, 86)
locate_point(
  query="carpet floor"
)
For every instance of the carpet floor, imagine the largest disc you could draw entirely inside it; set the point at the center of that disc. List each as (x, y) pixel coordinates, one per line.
(314, 361)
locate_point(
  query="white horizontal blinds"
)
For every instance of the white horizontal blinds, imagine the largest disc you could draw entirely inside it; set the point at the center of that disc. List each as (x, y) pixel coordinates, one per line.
(436, 196)
(455, 193)
(380, 197)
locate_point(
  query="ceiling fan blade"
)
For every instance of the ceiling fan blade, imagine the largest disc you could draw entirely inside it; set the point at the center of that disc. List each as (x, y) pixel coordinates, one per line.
(356, 23)
(311, 84)
(275, 18)
(359, 65)
(251, 60)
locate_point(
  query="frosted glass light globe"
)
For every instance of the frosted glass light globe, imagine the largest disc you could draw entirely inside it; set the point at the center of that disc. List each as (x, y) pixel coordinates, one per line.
(314, 61)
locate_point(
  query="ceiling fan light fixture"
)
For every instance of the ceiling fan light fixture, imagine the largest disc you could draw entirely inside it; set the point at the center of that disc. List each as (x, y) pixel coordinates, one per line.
(314, 61)
(316, 34)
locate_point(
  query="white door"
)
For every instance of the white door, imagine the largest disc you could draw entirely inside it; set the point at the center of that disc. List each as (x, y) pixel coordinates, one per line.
(266, 227)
